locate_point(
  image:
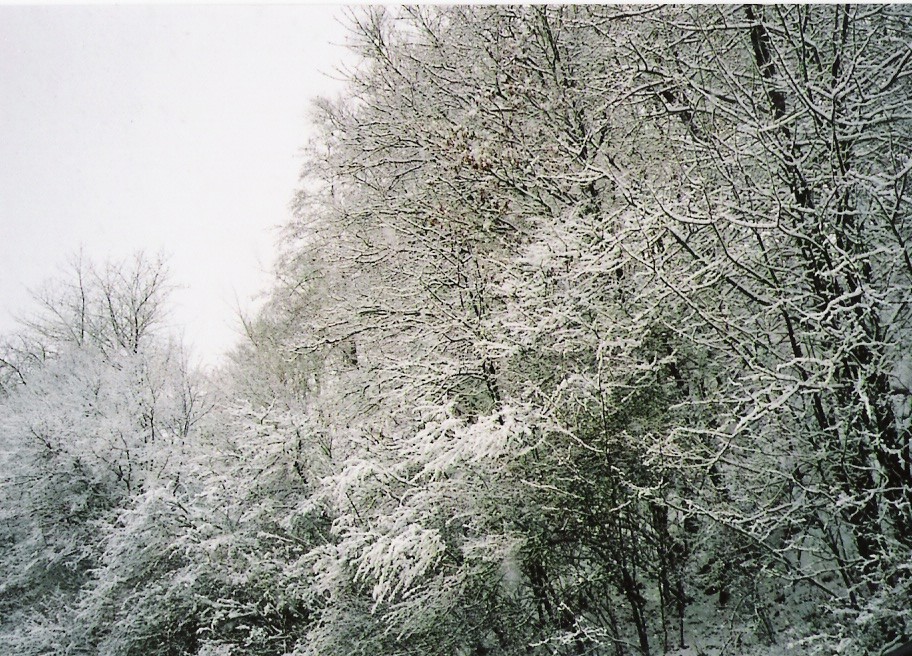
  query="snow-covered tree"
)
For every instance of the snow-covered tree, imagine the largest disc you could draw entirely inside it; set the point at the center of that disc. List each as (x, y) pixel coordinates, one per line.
(673, 241)
(101, 413)
(590, 335)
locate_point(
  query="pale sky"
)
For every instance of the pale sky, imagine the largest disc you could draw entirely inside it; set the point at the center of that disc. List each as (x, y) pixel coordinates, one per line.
(169, 129)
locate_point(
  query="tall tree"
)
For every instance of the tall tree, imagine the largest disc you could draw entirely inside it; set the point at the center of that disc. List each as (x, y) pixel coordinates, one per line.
(673, 241)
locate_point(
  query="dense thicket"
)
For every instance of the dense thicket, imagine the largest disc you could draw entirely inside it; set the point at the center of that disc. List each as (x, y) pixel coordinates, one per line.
(591, 335)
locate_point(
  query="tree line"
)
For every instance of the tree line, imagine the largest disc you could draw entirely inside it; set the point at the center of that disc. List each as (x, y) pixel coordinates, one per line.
(590, 335)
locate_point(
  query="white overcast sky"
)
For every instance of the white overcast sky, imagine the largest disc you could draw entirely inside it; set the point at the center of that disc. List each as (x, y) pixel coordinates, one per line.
(172, 129)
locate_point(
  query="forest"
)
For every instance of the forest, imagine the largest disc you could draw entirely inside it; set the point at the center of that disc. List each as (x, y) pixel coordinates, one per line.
(590, 335)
